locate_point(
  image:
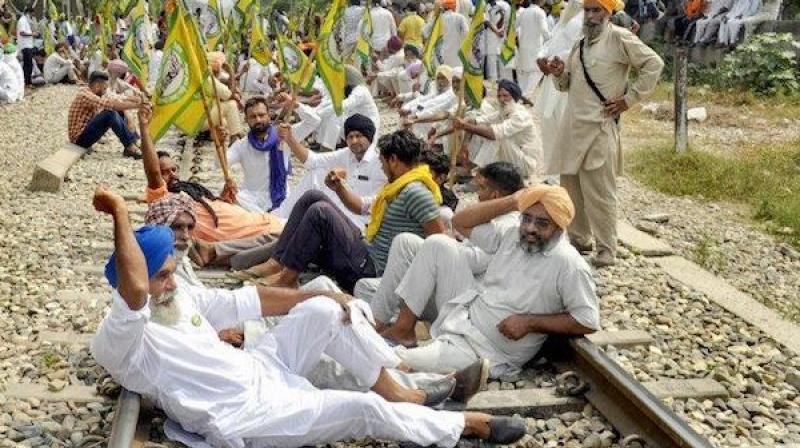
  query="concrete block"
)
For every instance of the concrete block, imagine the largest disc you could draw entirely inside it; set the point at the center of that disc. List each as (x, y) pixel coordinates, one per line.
(742, 305)
(700, 388)
(77, 394)
(539, 403)
(621, 338)
(49, 173)
(640, 242)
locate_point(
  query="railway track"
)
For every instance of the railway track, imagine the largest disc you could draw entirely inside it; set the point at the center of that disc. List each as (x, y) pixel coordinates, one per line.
(639, 417)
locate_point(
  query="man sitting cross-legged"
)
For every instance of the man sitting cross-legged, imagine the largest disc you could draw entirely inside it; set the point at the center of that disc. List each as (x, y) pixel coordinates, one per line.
(231, 228)
(409, 288)
(162, 344)
(318, 231)
(535, 284)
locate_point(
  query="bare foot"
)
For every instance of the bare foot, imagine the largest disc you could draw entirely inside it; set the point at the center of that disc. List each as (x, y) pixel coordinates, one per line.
(286, 278)
(400, 336)
(476, 424)
(270, 267)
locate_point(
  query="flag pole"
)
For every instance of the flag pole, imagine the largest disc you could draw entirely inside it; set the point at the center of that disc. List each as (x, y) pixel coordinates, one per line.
(455, 139)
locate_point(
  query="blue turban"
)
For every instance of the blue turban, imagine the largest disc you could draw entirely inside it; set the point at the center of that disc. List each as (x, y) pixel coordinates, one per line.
(511, 87)
(156, 242)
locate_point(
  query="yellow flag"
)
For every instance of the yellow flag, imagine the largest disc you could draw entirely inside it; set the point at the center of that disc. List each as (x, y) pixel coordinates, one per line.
(472, 55)
(212, 23)
(294, 64)
(183, 69)
(329, 59)
(259, 45)
(136, 52)
(364, 43)
(510, 44)
(432, 54)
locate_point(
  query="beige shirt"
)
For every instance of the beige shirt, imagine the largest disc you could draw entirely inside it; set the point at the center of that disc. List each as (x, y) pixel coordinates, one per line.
(514, 131)
(588, 138)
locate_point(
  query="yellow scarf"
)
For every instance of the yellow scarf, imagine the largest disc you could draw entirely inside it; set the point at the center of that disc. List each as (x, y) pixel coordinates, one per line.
(420, 173)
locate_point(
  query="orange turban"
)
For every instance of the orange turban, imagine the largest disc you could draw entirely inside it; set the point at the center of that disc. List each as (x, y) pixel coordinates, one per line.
(449, 4)
(608, 5)
(215, 60)
(555, 200)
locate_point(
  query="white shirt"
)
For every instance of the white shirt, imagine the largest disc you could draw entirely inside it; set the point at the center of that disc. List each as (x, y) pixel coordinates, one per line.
(24, 25)
(454, 29)
(204, 384)
(253, 80)
(352, 19)
(254, 194)
(383, 27)
(499, 14)
(364, 178)
(555, 280)
(53, 64)
(13, 85)
(532, 31)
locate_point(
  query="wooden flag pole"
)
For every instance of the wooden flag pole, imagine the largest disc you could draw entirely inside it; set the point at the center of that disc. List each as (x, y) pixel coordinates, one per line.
(218, 146)
(455, 139)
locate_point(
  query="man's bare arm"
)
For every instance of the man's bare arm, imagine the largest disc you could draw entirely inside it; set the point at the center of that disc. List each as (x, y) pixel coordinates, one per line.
(152, 169)
(482, 212)
(132, 284)
(298, 149)
(335, 180)
(517, 326)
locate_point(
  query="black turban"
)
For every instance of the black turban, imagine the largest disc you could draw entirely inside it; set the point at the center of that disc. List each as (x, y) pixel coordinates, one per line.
(413, 49)
(511, 87)
(360, 123)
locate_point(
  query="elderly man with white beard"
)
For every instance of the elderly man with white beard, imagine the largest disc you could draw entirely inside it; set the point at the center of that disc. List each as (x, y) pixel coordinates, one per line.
(595, 76)
(162, 344)
(441, 98)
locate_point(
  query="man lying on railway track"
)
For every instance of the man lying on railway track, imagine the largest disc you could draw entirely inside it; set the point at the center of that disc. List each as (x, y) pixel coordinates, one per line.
(535, 284)
(162, 344)
(222, 229)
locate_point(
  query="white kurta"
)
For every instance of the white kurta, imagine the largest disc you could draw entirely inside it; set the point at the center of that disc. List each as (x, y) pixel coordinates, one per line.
(154, 67)
(56, 68)
(361, 102)
(427, 106)
(383, 27)
(11, 82)
(516, 139)
(254, 194)
(532, 33)
(364, 177)
(454, 29)
(24, 25)
(258, 397)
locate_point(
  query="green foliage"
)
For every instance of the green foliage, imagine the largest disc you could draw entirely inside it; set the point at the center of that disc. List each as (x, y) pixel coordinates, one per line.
(707, 254)
(765, 64)
(50, 358)
(766, 177)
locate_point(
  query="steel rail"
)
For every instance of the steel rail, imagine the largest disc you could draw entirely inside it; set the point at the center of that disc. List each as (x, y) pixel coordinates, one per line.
(126, 419)
(635, 412)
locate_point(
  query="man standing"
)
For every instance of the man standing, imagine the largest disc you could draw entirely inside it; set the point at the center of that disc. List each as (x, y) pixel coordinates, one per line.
(454, 30)
(498, 12)
(25, 35)
(532, 32)
(92, 114)
(383, 26)
(595, 76)
(410, 29)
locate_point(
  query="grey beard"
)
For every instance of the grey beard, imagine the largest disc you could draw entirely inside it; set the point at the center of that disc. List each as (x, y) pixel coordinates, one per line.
(531, 248)
(180, 254)
(592, 30)
(165, 310)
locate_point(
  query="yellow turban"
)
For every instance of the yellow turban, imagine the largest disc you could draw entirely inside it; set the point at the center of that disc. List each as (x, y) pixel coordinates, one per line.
(555, 200)
(619, 6)
(215, 60)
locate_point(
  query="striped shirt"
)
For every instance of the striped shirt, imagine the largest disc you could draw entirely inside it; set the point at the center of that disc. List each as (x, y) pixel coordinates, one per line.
(412, 208)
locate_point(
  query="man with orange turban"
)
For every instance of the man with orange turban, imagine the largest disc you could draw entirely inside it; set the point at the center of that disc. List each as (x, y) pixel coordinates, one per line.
(595, 77)
(454, 30)
(535, 284)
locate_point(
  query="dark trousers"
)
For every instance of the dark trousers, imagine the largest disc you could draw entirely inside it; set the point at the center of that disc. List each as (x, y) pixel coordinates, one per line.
(27, 65)
(317, 231)
(102, 122)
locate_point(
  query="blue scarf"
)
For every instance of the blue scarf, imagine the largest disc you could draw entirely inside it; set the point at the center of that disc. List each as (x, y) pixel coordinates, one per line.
(277, 169)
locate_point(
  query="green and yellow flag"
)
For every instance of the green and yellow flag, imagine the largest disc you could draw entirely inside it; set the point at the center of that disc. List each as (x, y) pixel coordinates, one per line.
(295, 65)
(259, 45)
(184, 68)
(3, 32)
(510, 44)
(329, 60)
(432, 54)
(471, 55)
(243, 6)
(52, 11)
(136, 52)
(364, 43)
(49, 41)
(215, 26)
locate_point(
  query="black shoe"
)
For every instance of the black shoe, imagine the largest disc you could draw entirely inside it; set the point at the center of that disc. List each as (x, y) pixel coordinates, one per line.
(505, 430)
(471, 380)
(439, 391)
(136, 155)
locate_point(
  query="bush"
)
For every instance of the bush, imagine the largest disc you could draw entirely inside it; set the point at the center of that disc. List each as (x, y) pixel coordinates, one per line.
(764, 63)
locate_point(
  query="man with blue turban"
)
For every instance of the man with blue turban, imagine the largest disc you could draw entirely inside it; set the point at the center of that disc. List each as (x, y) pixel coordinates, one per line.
(259, 396)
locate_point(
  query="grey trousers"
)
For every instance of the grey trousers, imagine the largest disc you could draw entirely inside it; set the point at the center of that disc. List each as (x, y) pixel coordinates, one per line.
(594, 193)
(246, 252)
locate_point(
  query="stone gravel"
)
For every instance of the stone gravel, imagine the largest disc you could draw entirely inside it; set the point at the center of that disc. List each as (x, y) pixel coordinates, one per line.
(49, 238)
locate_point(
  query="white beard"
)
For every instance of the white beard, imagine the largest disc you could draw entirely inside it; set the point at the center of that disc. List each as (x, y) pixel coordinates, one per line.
(165, 310)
